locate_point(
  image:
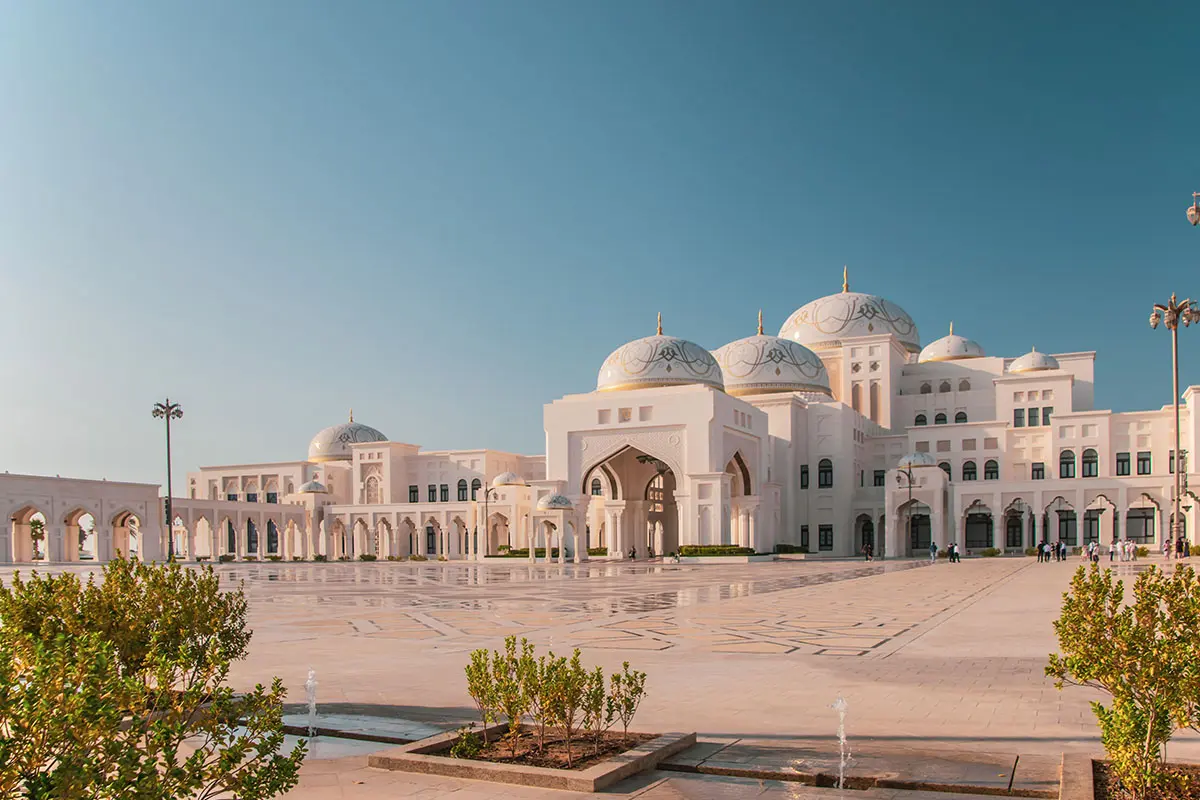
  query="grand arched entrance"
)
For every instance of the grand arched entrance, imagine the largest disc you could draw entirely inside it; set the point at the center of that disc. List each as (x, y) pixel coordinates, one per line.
(636, 521)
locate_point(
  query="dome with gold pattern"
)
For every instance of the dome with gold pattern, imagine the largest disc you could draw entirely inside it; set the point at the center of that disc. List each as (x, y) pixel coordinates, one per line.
(829, 321)
(762, 364)
(658, 361)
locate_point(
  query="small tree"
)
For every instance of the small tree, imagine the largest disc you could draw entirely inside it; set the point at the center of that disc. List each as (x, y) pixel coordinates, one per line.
(533, 673)
(37, 532)
(567, 689)
(626, 692)
(596, 714)
(1144, 655)
(481, 688)
(508, 688)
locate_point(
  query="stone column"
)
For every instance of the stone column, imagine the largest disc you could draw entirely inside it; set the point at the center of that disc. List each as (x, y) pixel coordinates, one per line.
(54, 543)
(534, 525)
(752, 530)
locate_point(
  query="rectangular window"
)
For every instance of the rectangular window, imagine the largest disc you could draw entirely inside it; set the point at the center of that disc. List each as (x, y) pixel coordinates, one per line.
(272, 497)
(804, 476)
(1144, 462)
(251, 497)
(880, 477)
(445, 493)
(825, 474)
(1018, 418)
(862, 478)
(414, 494)
(1033, 418)
(1037, 471)
(432, 493)
(1066, 466)
(1171, 462)
(1046, 412)
(825, 537)
(804, 536)
(1122, 463)
(232, 497)
(462, 491)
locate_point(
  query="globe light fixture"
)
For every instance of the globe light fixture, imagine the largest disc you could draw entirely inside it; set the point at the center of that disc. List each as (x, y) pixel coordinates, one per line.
(1193, 212)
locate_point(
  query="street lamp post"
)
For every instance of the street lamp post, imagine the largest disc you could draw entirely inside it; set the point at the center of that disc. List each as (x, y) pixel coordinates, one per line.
(906, 471)
(1193, 212)
(169, 411)
(1172, 314)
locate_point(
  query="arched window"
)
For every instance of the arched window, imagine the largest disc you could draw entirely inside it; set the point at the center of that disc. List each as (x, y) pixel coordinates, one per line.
(926, 388)
(920, 420)
(944, 387)
(939, 419)
(969, 473)
(874, 401)
(824, 474)
(371, 492)
(964, 385)
(856, 397)
(475, 487)
(945, 467)
(1091, 463)
(597, 488)
(960, 417)
(1066, 464)
(991, 471)
(462, 489)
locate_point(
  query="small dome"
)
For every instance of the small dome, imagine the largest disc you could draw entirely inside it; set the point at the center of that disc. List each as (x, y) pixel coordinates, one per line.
(313, 487)
(658, 361)
(760, 364)
(1033, 361)
(829, 321)
(914, 460)
(555, 502)
(951, 348)
(507, 479)
(333, 443)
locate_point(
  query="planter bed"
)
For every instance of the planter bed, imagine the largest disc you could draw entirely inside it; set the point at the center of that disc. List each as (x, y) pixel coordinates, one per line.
(726, 559)
(432, 757)
(1090, 779)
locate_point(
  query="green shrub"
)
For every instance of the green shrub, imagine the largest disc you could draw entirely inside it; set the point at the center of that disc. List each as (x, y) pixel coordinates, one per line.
(1076, 551)
(627, 692)
(320, 557)
(366, 557)
(704, 550)
(943, 554)
(1031, 551)
(1143, 655)
(225, 558)
(468, 743)
(117, 688)
(274, 558)
(989, 552)
(417, 557)
(203, 558)
(504, 548)
(395, 558)
(784, 547)
(524, 553)
(442, 558)
(1142, 552)
(297, 558)
(343, 558)
(597, 551)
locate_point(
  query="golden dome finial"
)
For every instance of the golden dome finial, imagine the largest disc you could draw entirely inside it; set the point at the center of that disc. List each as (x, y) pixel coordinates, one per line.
(352, 415)
(951, 327)
(760, 330)
(845, 279)
(660, 323)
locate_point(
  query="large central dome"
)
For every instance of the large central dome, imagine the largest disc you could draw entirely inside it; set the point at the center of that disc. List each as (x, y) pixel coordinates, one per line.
(658, 361)
(762, 364)
(830, 321)
(333, 443)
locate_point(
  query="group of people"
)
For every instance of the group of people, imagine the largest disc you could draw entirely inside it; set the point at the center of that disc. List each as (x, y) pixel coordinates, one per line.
(1047, 551)
(953, 555)
(1183, 548)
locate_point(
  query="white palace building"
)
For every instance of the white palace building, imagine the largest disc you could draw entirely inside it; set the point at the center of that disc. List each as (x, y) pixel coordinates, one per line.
(841, 431)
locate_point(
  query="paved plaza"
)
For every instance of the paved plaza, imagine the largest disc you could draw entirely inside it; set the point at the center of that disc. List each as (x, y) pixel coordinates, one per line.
(928, 657)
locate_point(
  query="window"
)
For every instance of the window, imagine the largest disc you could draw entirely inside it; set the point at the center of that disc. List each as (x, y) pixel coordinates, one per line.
(968, 472)
(1139, 524)
(413, 494)
(430, 539)
(945, 387)
(1033, 395)
(880, 477)
(1144, 462)
(1066, 464)
(1171, 462)
(862, 478)
(939, 419)
(1037, 470)
(597, 489)
(824, 474)
(1033, 418)
(1013, 534)
(804, 536)
(926, 388)
(944, 466)
(978, 531)
(1046, 412)
(960, 418)
(804, 476)
(462, 490)
(432, 493)
(1091, 463)
(1018, 418)
(825, 537)
(964, 385)
(1122, 463)
(272, 497)
(920, 420)
(1067, 530)
(445, 493)
(991, 470)
(475, 487)
(251, 497)
(232, 497)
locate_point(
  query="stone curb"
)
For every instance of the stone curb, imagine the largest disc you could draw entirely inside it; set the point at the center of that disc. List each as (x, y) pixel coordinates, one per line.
(1077, 778)
(418, 757)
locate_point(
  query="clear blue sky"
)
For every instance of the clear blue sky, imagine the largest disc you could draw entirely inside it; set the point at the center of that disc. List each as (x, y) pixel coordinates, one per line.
(445, 214)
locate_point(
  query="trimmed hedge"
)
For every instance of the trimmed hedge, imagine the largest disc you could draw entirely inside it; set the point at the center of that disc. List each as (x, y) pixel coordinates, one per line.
(597, 551)
(703, 550)
(320, 557)
(366, 557)
(989, 552)
(396, 558)
(417, 557)
(790, 548)
(524, 553)
(225, 558)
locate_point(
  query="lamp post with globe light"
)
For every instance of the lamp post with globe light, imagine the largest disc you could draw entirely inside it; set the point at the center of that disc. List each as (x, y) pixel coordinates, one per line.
(905, 472)
(1193, 212)
(1171, 314)
(169, 411)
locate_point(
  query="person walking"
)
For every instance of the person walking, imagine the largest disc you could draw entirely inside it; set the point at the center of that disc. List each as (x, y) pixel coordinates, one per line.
(932, 551)
(1112, 551)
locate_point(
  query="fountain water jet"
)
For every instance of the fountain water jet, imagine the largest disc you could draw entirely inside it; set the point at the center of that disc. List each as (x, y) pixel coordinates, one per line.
(310, 691)
(840, 705)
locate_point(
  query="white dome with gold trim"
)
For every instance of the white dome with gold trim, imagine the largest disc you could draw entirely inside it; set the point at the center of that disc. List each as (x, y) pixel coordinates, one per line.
(761, 364)
(951, 348)
(333, 443)
(1033, 361)
(830, 321)
(914, 460)
(555, 502)
(658, 361)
